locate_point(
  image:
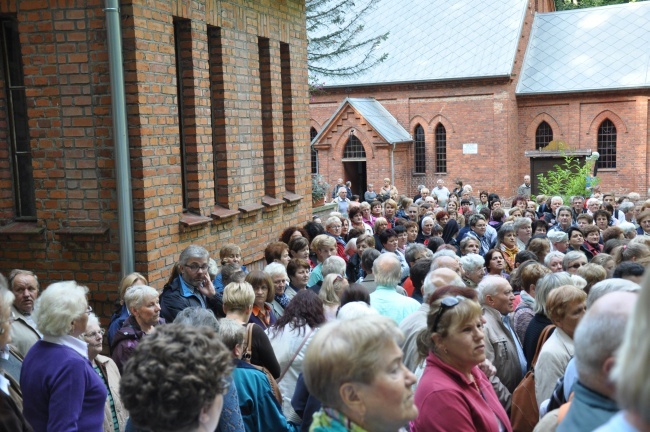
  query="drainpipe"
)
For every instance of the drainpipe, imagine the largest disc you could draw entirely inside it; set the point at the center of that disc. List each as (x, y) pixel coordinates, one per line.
(120, 137)
(392, 166)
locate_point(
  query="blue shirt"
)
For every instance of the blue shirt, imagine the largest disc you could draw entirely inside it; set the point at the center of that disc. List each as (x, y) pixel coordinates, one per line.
(392, 304)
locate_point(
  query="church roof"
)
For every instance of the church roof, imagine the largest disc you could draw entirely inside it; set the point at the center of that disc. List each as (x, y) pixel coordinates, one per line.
(604, 48)
(433, 40)
(376, 115)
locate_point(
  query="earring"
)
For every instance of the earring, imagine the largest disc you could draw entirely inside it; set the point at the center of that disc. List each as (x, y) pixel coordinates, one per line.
(2, 330)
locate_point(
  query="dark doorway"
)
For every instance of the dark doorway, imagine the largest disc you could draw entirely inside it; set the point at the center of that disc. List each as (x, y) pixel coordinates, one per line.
(356, 173)
(541, 165)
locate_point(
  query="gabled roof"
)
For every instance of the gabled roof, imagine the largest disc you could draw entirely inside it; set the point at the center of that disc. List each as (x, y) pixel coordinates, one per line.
(376, 115)
(432, 40)
(604, 48)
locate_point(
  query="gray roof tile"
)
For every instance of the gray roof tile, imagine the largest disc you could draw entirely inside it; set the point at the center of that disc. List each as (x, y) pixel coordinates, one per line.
(604, 48)
(433, 40)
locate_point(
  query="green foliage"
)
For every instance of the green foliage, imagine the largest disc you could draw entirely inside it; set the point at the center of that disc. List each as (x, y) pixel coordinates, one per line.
(581, 4)
(319, 187)
(568, 179)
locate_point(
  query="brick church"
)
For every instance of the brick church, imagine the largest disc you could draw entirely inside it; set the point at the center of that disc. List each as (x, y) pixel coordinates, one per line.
(488, 92)
(217, 124)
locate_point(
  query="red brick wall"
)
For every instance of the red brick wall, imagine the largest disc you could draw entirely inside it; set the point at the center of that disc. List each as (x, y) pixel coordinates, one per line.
(68, 91)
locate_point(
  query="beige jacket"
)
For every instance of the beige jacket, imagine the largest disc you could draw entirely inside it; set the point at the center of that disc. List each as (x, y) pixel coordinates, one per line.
(112, 376)
(553, 359)
(23, 334)
(501, 350)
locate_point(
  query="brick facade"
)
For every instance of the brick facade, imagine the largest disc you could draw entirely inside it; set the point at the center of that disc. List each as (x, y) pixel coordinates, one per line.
(489, 113)
(227, 149)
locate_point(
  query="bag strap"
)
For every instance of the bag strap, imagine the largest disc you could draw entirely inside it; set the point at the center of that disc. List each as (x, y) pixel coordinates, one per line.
(249, 343)
(546, 333)
(295, 354)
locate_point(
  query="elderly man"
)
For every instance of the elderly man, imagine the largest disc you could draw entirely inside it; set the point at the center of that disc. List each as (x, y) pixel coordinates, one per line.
(556, 203)
(385, 299)
(447, 259)
(24, 285)
(342, 201)
(339, 184)
(417, 321)
(192, 287)
(577, 207)
(441, 192)
(502, 346)
(524, 189)
(626, 209)
(559, 240)
(564, 219)
(424, 193)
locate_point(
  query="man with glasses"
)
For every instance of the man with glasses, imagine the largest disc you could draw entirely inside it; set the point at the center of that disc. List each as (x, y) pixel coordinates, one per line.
(502, 347)
(191, 287)
(485, 234)
(24, 285)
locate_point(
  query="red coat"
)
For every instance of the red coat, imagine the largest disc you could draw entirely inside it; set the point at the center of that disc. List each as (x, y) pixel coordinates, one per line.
(446, 401)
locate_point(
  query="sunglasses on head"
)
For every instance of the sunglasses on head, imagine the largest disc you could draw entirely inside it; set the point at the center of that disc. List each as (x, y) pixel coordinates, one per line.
(445, 304)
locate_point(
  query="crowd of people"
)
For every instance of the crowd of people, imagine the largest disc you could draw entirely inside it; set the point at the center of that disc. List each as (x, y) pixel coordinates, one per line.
(440, 312)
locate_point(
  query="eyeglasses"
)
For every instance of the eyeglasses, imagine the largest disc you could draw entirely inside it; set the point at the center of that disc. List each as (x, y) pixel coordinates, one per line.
(94, 334)
(446, 303)
(336, 226)
(577, 265)
(196, 267)
(89, 309)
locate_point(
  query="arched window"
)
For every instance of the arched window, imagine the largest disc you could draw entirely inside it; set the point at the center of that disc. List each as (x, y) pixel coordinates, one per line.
(420, 162)
(543, 135)
(314, 153)
(354, 149)
(441, 149)
(607, 144)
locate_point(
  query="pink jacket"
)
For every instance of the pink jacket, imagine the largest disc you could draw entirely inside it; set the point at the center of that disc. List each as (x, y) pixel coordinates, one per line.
(446, 401)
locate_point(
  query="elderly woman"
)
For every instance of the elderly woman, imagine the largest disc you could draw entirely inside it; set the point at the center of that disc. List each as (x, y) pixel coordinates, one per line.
(573, 260)
(539, 322)
(122, 312)
(283, 293)
(10, 401)
(142, 302)
(114, 413)
(530, 272)
(388, 191)
(454, 394)
(238, 300)
(474, 268)
(553, 261)
(366, 215)
(333, 225)
(523, 230)
(355, 369)
(61, 391)
(264, 289)
(290, 338)
(427, 230)
(469, 245)
(177, 379)
(566, 306)
(330, 294)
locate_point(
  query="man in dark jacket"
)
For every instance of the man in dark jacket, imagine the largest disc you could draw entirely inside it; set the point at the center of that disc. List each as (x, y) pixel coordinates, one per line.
(190, 285)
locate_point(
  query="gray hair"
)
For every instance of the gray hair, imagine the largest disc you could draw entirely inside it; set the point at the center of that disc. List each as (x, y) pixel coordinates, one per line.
(137, 295)
(557, 236)
(473, 219)
(564, 208)
(357, 309)
(488, 287)
(429, 287)
(332, 220)
(197, 317)
(555, 254)
(277, 269)
(522, 222)
(591, 201)
(610, 285)
(424, 219)
(351, 246)
(333, 265)
(627, 227)
(572, 256)
(231, 333)
(387, 270)
(472, 262)
(626, 207)
(547, 284)
(416, 249)
(18, 272)
(59, 305)
(575, 197)
(578, 281)
(193, 251)
(368, 258)
(92, 319)
(6, 299)
(556, 198)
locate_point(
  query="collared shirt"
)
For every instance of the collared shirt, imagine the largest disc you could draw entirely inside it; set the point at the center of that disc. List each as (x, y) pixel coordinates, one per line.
(520, 351)
(78, 345)
(392, 304)
(264, 316)
(189, 291)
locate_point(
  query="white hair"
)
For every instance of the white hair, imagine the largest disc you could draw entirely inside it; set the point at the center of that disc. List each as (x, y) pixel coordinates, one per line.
(591, 201)
(488, 287)
(472, 262)
(627, 227)
(354, 310)
(557, 236)
(137, 295)
(545, 285)
(578, 281)
(333, 265)
(351, 246)
(276, 269)
(429, 287)
(610, 285)
(387, 270)
(554, 254)
(58, 306)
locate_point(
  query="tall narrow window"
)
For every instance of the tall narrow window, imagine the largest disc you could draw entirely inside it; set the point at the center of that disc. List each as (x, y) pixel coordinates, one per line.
(18, 139)
(181, 35)
(354, 150)
(314, 153)
(607, 144)
(287, 119)
(264, 50)
(217, 107)
(420, 159)
(543, 135)
(441, 149)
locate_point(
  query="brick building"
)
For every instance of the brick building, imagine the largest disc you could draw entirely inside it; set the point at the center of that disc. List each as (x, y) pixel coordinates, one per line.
(217, 112)
(488, 92)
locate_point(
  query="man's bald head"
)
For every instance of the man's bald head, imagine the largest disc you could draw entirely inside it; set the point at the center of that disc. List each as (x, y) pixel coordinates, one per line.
(439, 278)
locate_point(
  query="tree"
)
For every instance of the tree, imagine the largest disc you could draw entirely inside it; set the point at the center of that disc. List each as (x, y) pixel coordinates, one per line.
(569, 178)
(581, 4)
(333, 31)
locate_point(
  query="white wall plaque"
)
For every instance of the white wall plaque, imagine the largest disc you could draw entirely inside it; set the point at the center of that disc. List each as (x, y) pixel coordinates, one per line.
(470, 148)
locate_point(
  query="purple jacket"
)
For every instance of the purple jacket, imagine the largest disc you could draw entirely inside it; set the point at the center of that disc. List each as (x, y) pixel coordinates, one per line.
(125, 341)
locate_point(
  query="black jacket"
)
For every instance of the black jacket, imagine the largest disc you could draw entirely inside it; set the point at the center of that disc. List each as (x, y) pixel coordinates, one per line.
(172, 301)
